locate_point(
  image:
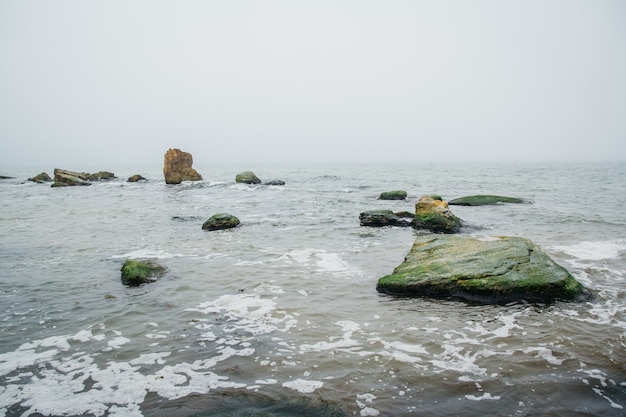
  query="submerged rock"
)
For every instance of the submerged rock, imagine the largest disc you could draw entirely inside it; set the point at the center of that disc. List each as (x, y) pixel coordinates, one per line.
(65, 178)
(494, 270)
(177, 167)
(136, 178)
(393, 195)
(274, 182)
(220, 221)
(41, 178)
(6, 177)
(140, 272)
(434, 215)
(484, 199)
(381, 218)
(247, 177)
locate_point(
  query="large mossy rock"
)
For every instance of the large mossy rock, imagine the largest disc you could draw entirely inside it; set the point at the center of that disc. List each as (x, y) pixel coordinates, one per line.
(393, 195)
(220, 221)
(177, 167)
(65, 178)
(490, 270)
(140, 272)
(434, 215)
(247, 177)
(483, 200)
(382, 218)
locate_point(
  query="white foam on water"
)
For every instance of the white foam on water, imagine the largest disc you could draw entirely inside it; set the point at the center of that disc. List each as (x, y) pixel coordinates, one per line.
(303, 386)
(149, 254)
(343, 343)
(595, 251)
(544, 353)
(485, 396)
(452, 359)
(321, 261)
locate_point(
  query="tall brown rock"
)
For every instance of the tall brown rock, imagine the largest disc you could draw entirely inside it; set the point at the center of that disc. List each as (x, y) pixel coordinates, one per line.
(177, 167)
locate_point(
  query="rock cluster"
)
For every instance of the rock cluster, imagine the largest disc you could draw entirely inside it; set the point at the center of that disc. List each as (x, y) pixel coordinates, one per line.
(177, 167)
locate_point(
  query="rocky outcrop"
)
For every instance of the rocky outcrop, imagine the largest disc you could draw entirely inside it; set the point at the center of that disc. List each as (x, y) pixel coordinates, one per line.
(435, 216)
(483, 199)
(220, 221)
(177, 167)
(247, 177)
(136, 178)
(65, 178)
(381, 218)
(41, 178)
(393, 195)
(100, 176)
(5, 177)
(140, 272)
(490, 270)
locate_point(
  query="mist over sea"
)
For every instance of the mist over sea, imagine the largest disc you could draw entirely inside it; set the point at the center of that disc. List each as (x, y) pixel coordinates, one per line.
(280, 316)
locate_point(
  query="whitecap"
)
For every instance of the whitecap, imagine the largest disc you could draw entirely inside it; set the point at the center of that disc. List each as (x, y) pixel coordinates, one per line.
(303, 386)
(594, 251)
(485, 396)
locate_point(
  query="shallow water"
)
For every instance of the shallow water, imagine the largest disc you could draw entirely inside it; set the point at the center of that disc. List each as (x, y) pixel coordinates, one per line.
(280, 316)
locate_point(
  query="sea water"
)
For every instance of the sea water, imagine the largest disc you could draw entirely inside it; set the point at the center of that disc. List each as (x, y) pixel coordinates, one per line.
(280, 316)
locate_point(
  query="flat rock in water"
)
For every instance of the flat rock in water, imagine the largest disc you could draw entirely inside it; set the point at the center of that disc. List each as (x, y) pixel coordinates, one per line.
(491, 270)
(483, 200)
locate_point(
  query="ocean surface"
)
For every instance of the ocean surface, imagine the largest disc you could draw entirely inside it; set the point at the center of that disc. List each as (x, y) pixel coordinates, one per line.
(280, 316)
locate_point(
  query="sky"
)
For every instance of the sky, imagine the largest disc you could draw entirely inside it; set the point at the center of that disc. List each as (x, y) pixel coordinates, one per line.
(120, 82)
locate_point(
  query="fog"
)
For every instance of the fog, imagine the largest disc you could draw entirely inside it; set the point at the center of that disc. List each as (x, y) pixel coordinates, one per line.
(120, 82)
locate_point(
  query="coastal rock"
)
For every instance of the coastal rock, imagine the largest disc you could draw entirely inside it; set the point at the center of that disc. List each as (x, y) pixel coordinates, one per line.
(5, 177)
(434, 215)
(136, 178)
(247, 177)
(177, 167)
(41, 178)
(393, 195)
(381, 218)
(65, 178)
(492, 270)
(221, 221)
(100, 176)
(140, 272)
(274, 182)
(484, 199)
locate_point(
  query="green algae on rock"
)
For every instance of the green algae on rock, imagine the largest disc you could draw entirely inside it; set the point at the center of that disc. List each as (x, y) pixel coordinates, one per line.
(140, 272)
(220, 221)
(381, 218)
(483, 200)
(393, 195)
(247, 177)
(491, 270)
(435, 216)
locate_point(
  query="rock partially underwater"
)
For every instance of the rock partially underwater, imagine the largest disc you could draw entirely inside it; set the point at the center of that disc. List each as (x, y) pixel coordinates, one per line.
(247, 177)
(492, 271)
(177, 167)
(434, 215)
(140, 272)
(220, 221)
(382, 218)
(484, 199)
(393, 195)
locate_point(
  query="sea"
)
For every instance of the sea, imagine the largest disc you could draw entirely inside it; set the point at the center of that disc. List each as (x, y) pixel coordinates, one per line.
(280, 316)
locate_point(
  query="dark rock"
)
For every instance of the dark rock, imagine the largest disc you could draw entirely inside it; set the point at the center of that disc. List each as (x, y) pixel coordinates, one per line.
(221, 221)
(136, 178)
(247, 177)
(64, 178)
(140, 272)
(435, 216)
(393, 195)
(41, 178)
(4, 177)
(481, 200)
(100, 176)
(177, 167)
(274, 182)
(491, 270)
(381, 218)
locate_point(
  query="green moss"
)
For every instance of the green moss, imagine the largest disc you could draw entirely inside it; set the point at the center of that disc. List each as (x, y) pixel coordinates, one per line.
(140, 272)
(484, 199)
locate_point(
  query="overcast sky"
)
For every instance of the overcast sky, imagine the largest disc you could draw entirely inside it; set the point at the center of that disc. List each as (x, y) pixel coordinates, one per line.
(120, 82)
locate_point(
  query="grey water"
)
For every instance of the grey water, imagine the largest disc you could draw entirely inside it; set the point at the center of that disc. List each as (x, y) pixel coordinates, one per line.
(280, 316)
